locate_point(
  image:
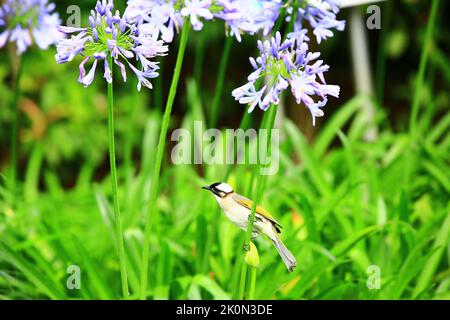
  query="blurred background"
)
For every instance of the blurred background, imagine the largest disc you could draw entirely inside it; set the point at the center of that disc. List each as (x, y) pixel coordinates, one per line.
(358, 189)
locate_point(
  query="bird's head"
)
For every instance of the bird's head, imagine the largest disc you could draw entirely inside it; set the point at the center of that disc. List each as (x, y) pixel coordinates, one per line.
(220, 189)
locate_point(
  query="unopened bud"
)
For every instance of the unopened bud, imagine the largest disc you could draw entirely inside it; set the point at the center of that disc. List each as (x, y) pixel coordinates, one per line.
(252, 256)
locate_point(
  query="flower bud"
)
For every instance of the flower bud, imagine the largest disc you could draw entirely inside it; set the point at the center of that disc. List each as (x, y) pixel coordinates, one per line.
(252, 256)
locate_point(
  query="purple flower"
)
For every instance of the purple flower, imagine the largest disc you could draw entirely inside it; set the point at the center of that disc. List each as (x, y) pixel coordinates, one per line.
(321, 15)
(195, 9)
(143, 76)
(249, 16)
(69, 48)
(287, 64)
(166, 16)
(248, 94)
(110, 35)
(159, 16)
(26, 21)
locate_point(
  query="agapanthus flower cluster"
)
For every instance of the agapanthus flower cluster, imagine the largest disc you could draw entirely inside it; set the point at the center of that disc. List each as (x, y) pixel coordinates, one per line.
(159, 17)
(240, 16)
(249, 16)
(287, 64)
(26, 21)
(197, 9)
(109, 35)
(320, 15)
(165, 16)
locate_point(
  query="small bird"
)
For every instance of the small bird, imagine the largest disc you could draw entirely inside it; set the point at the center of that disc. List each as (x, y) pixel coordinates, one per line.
(238, 209)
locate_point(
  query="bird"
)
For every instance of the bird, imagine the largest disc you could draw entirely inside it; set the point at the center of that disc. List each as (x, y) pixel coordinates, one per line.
(238, 208)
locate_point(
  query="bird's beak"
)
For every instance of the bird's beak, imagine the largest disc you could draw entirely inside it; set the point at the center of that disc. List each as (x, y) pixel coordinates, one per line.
(206, 188)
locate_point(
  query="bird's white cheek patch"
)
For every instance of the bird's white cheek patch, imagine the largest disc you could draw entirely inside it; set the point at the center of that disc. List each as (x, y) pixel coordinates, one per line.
(224, 187)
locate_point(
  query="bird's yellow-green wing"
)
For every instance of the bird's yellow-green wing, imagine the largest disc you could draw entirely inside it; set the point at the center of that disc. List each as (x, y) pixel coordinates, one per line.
(247, 203)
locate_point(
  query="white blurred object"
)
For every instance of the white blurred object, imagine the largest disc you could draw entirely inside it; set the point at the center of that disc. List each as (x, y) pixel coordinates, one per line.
(362, 70)
(361, 63)
(353, 3)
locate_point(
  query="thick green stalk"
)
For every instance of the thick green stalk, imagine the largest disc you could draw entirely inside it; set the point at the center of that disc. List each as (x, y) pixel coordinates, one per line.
(251, 291)
(260, 178)
(152, 209)
(15, 131)
(423, 66)
(280, 20)
(245, 123)
(220, 80)
(112, 163)
(267, 123)
(242, 281)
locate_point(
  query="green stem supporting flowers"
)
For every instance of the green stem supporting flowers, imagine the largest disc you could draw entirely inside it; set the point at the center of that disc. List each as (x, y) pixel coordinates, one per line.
(112, 161)
(15, 130)
(267, 124)
(152, 209)
(220, 81)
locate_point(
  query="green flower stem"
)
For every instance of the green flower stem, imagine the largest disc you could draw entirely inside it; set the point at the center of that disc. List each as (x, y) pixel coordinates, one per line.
(220, 80)
(251, 291)
(423, 66)
(267, 123)
(245, 122)
(280, 21)
(15, 130)
(152, 209)
(242, 282)
(112, 163)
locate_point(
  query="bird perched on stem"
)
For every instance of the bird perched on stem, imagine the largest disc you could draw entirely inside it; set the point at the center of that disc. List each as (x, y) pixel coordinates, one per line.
(238, 209)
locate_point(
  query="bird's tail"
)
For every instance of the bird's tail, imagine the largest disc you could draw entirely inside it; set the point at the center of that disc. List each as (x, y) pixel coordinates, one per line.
(286, 255)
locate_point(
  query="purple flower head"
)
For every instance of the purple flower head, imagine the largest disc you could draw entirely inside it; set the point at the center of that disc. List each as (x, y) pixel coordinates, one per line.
(159, 17)
(26, 21)
(287, 64)
(196, 9)
(110, 35)
(249, 16)
(166, 16)
(321, 16)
